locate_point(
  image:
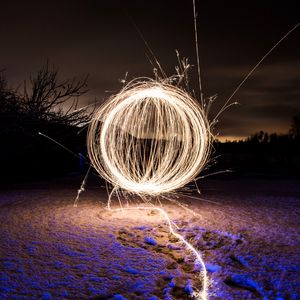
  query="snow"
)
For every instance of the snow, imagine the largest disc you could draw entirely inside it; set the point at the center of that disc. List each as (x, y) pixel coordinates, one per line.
(119, 297)
(212, 268)
(51, 250)
(242, 261)
(150, 241)
(188, 288)
(242, 280)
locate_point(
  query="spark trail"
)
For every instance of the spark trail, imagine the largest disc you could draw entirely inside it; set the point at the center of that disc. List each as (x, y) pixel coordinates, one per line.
(149, 139)
(200, 294)
(153, 138)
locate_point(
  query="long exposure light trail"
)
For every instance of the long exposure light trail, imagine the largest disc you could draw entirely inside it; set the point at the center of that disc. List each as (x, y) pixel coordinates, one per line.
(153, 138)
(200, 294)
(149, 139)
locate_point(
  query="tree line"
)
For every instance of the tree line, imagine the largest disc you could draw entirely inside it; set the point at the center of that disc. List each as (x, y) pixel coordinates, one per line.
(263, 154)
(48, 104)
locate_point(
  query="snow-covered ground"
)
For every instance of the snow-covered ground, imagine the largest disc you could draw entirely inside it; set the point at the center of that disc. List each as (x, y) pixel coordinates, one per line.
(247, 230)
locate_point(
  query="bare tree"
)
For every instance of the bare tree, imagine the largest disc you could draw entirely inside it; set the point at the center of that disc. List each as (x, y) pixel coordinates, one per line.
(46, 104)
(48, 98)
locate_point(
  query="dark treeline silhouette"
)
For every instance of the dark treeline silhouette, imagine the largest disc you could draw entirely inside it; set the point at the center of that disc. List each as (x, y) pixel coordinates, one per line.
(48, 105)
(263, 154)
(44, 104)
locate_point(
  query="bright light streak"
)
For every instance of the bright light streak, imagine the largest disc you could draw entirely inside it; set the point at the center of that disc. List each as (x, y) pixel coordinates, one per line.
(203, 293)
(149, 139)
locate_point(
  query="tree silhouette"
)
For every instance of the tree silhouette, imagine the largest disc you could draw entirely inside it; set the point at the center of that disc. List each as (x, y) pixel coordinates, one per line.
(43, 104)
(295, 127)
(45, 96)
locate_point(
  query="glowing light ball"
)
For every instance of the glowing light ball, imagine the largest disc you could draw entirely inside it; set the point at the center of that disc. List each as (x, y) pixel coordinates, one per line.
(150, 138)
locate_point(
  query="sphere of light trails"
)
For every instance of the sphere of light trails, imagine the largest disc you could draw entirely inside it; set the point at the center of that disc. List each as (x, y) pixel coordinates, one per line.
(149, 139)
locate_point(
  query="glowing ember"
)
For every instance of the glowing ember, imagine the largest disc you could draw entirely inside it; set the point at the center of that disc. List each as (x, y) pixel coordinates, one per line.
(150, 138)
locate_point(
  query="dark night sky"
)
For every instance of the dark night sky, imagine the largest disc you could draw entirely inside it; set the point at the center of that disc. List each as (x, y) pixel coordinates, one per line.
(98, 38)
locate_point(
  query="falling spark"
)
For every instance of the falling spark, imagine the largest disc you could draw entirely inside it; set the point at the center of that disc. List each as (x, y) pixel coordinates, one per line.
(82, 187)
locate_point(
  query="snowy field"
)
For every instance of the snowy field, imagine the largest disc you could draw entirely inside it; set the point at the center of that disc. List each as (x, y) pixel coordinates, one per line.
(247, 230)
